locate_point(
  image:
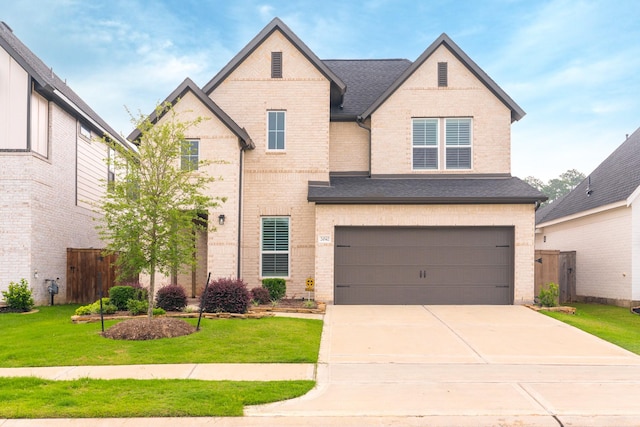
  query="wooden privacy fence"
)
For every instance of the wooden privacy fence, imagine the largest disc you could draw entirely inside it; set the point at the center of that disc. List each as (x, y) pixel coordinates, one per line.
(83, 266)
(557, 267)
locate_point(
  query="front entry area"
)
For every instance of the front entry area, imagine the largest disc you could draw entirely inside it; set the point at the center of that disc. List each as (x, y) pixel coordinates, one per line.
(424, 265)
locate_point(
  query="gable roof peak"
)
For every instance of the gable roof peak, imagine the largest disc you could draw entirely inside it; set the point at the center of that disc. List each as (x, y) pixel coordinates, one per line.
(275, 24)
(516, 112)
(189, 86)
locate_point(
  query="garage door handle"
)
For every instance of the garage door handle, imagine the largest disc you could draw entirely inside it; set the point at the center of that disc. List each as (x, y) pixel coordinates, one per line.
(502, 286)
(343, 286)
(503, 246)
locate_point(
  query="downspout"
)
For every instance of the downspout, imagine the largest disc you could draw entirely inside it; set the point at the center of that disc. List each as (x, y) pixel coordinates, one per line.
(360, 122)
(242, 148)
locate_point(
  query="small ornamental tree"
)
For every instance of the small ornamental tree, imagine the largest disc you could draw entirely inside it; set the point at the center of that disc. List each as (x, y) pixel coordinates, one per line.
(154, 206)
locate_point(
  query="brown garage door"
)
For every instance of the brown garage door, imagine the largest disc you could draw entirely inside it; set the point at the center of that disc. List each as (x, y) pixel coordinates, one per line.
(423, 265)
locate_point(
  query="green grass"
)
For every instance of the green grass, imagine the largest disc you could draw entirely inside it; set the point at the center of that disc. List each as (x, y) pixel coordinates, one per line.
(614, 324)
(48, 338)
(85, 398)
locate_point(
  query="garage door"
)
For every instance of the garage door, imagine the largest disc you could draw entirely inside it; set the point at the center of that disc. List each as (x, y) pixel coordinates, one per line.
(423, 265)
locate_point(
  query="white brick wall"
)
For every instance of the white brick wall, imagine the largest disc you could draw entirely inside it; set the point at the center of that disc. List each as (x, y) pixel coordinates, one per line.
(38, 197)
(420, 96)
(602, 242)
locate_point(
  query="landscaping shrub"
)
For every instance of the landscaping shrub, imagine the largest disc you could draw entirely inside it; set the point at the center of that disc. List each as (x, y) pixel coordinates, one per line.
(171, 298)
(107, 308)
(120, 296)
(136, 307)
(260, 295)
(549, 297)
(140, 292)
(157, 311)
(19, 296)
(277, 288)
(226, 295)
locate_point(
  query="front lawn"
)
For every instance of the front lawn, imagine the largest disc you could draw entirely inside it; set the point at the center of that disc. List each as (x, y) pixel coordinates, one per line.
(614, 324)
(86, 398)
(48, 338)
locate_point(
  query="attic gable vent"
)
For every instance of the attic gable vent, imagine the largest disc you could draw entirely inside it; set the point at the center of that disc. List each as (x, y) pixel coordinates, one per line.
(276, 65)
(442, 74)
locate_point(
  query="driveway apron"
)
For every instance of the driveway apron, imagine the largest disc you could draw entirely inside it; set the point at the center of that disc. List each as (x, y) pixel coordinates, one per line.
(508, 363)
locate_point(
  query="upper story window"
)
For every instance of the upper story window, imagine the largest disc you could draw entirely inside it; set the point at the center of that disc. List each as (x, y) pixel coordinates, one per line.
(274, 247)
(85, 131)
(425, 144)
(190, 155)
(276, 130)
(276, 65)
(456, 143)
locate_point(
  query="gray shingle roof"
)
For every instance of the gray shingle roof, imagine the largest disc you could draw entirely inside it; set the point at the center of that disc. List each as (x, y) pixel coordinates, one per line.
(52, 86)
(614, 180)
(423, 190)
(366, 80)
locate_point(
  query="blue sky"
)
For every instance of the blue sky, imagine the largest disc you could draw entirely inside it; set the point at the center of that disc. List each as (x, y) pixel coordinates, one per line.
(572, 65)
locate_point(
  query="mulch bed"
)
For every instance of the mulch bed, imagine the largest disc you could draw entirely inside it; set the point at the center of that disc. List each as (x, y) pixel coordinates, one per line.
(139, 329)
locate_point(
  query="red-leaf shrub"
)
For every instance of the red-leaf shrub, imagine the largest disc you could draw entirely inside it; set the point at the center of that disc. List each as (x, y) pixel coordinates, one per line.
(226, 295)
(171, 298)
(260, 295)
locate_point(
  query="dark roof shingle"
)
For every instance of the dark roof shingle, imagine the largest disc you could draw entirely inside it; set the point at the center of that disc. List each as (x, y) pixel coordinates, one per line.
(423, 190)
(614, 180)
(366, 80)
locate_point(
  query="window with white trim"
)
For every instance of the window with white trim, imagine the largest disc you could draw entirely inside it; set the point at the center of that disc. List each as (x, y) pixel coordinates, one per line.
(458, 143)
(189, 156)
(425, 144)
(430, 149)
(276, 130)
(85, 131)
(274, 247)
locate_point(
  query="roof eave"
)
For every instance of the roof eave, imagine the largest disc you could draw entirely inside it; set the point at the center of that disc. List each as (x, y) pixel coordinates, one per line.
(422, 200)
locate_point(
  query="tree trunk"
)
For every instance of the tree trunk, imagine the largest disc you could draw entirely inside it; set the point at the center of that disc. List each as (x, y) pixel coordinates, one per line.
(152, 284)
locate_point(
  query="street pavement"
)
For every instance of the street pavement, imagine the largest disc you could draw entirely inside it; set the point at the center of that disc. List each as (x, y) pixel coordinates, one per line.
(422, 366)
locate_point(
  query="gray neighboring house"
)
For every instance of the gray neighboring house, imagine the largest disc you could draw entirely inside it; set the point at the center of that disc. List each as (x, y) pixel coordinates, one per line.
(600, 220)
(52, 168)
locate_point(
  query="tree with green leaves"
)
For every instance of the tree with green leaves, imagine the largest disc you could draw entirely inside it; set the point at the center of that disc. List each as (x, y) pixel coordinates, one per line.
(155, 205)
(557, 187)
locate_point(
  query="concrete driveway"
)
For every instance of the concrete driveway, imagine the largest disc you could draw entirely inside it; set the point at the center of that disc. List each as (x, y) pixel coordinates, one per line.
(465, 365)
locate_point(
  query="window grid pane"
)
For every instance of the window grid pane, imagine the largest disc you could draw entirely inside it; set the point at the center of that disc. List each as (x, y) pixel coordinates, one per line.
(458, 143)
(425, 143)
(276, 130)
(275, 247)
(189, 157)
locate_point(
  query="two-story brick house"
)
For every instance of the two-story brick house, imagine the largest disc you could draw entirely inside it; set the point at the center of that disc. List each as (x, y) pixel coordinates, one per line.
(52, 170)
(386, 181)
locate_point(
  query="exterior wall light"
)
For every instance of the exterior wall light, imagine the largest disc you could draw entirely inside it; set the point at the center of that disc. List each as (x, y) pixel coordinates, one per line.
(221, 219)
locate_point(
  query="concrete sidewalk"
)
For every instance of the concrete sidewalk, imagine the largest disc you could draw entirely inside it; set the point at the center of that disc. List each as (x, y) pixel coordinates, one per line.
(427, 365)
(187, 371)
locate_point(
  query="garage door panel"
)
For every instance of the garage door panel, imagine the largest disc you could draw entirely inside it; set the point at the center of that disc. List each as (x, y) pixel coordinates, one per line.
(424, 265)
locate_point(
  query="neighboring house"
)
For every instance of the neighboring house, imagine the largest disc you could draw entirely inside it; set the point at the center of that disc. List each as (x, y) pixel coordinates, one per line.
(52, 168)
(385, 181)
(600, 220)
